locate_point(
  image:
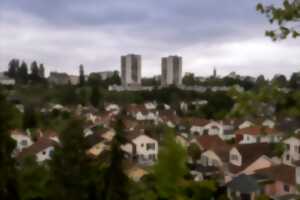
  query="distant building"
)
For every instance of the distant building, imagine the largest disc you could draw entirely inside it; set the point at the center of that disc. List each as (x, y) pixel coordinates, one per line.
(5, 80)
(171, 70)
(59, 78)
(131, 69)
(105, 74)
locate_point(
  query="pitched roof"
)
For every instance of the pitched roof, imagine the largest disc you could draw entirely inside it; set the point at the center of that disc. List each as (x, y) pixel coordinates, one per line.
(256, 130)
(37, 147)
(283, 173)
(250, 153)
(197, 121)
(243, 184)
(215, 144)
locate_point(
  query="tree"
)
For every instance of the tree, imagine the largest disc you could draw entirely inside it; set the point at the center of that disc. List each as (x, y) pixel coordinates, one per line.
(286, 17)
(81, 76)
(116, 187)
(189, 79)
(8, 182)
(33, 180)
(29, 117)
(23, 73)
(200, 191)
(170, 169)
(70, 166)
(194, 152)
(295, 81)
(13, 68)
(280, 80)
(95, 96)
(34, 72)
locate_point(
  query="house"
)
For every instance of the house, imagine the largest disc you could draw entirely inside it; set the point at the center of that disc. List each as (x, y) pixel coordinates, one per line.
(258, 134)
(215, 152)
(279, 180)
(268, 123)
(140, 113)
(206, 127)
(99, 141)
(169, 118)
(135, 173)
(114, 108)
(141, 148)
(42, 150)
(23, 140)
(291, 153)
(243, 187)
(246, 124)
(150, 105)
(247, 158)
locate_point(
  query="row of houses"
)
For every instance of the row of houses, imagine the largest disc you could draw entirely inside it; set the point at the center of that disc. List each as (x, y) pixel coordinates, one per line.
(237, 153)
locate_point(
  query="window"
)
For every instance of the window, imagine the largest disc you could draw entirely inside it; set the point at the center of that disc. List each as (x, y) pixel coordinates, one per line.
(142, 145)
(234, 157)
(24, 143)
(287, 157)
(150, 146)
(295, 148)
(288, 147)
(286, 188)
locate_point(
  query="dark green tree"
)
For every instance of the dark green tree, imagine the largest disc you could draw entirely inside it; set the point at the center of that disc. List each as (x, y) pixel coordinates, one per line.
(34, 76)
(13, 68)
(116, 181)
(81, 76)
(295, 81)
(70, 166)
(8, 182)
(23, 73)
(33, 180)
(95, 96)
(29, 117)
(170, 169)
(286, 18)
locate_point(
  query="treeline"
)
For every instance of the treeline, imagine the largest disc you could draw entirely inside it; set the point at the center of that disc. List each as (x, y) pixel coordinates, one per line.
(22, 74)
(248, 83)
(72, 174)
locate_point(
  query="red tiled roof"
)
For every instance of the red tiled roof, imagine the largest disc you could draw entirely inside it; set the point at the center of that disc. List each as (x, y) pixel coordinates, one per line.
(215, 144)
(198, 121)
(283, 173)
(37, 147)
(256, 130)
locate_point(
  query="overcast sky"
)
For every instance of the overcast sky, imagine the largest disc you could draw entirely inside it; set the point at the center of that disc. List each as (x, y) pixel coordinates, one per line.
(62, 34)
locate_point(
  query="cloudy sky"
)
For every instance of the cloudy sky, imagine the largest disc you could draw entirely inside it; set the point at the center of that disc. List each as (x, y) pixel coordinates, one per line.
(62, 34)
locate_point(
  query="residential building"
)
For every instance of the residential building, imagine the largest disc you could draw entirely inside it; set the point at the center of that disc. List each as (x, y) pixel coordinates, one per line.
(42, 150)
(278, 180)
(57, 78)
(215, 152)
(247, 158)
(23, 140)
(131, 69)
(171, 70)
(243, 187)
(141, 148)
(292, 150)
(258, 134)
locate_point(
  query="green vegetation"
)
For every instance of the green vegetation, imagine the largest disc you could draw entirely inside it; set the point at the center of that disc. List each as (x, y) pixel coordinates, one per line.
(286, 17)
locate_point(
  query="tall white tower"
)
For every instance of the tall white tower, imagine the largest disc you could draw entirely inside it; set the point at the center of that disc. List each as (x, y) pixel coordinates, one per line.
(131, 69)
